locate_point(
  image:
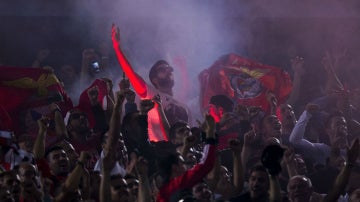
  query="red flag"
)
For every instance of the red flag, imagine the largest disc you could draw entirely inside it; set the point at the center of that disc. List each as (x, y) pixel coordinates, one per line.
(84, 101)
(244, 81)
(25, 89)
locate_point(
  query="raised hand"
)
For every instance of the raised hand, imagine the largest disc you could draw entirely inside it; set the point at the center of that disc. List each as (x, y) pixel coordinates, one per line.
(142, 166)
(312, 108)
(235, 146)
(157, 99)
(249, 138)
(88, 55)
(124, 84)
(271, 98)
(43, 123)
(289, 156)
(209, 123)
(297, 65)
(115, 35)
(93, 95)
(146, 105)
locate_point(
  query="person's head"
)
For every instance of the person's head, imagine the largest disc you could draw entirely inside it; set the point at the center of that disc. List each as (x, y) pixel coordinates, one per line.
(218, 105)
(202, 192)
(29, 176)
(58, 161)
(5, 195)
(300, 165)
(161, 75)
(259, 182)
(25, 142)
(119, 189)
(337, 131)
(288, 119)
(70, 152)
(355, 196)
(78, 122)
(171, 166)
(299, 189)
(224, 185)
(178, 131)
(11, 181)
(133, 184)
(271, 127)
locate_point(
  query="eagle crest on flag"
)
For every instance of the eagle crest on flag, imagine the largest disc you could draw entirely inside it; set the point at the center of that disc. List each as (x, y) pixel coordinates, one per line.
(244, 81)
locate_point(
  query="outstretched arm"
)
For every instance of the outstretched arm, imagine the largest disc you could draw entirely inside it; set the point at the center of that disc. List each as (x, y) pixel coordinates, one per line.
(136, 81)
(343, 178)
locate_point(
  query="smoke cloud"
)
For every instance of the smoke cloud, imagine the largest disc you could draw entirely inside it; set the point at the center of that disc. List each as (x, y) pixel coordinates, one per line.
(192, 34)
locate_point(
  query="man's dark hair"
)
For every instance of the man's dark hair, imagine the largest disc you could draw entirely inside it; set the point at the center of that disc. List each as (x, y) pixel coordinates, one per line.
(153, 69)
(258, 168)
(222, 101)
(51, 149)
(176, 125)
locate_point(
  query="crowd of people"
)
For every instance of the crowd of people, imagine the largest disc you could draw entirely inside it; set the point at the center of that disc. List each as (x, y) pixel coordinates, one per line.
(151, 151)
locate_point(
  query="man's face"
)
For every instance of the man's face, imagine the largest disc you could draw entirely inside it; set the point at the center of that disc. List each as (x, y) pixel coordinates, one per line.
(299, 189)
(119, 190)
(58, 162)
(12, 182)
(288, 116)
(164, 75)
(338, 132)
(28, 175)
(181, 133)
(79, 122)
(215, 112)
(202, 192)
(71, 153)
(272, 127)
(133, 185)
(259, 184)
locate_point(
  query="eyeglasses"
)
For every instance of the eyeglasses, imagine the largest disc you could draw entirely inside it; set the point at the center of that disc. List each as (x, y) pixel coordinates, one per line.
(163, 68)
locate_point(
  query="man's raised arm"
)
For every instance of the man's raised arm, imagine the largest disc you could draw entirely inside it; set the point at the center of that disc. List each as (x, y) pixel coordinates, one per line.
(136, 81)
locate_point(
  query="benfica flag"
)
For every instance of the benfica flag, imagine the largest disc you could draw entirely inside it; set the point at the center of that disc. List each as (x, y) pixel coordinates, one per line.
(27, 90)
(244, 81)
(84, 101)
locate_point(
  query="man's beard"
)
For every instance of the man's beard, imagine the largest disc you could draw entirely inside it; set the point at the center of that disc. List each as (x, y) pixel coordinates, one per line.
(166, 82)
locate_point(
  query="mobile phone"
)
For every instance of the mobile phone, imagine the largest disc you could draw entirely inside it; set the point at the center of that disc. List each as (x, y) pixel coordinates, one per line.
(95, 67)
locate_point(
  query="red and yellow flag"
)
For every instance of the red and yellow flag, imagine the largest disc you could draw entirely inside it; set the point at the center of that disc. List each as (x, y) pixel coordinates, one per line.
(23, 89)
(244, 81)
